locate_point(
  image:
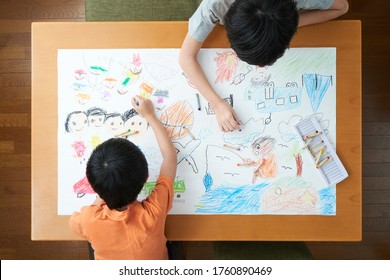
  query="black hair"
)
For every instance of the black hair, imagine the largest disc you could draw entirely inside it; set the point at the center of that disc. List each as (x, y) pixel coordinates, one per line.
(117, 171)
(129, 114)
(95, 111)
(112, 115)
(260, 31)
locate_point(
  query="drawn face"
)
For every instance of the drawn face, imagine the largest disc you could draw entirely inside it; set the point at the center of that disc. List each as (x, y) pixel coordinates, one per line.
(114, 124)
(80, 74)
(109, 83)
(263, 146)
(77, 122)
(137, 123)
(96, 121)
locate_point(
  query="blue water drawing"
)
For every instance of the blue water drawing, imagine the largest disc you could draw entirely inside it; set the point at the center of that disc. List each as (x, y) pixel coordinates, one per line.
(316, 87)
(274, 99)
(227, 199)
(328, 201)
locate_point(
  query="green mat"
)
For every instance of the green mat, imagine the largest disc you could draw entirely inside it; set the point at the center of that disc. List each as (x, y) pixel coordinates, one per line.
(140, 10)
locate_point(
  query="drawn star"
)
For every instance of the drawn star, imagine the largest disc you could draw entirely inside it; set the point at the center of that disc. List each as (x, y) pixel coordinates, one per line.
(308, 199)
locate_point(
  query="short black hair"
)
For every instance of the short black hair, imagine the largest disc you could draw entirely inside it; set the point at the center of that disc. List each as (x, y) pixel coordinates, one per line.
(117, 171)
(129, 114)
(260, 31)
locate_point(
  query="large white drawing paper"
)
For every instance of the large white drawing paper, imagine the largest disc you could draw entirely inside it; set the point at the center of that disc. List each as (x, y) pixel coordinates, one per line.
(261, 169)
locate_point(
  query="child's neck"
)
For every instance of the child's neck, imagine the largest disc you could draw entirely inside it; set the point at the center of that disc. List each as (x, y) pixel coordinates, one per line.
(121, 209)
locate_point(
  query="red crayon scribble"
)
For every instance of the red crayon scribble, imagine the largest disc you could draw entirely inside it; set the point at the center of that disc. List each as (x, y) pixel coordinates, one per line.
(83, 187)
(299, 162)
(227, 63)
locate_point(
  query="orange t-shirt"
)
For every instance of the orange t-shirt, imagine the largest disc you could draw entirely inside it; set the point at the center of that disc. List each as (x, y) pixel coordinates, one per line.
(136, 233)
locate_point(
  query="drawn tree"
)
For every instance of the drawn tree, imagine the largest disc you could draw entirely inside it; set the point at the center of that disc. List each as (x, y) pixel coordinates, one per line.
(295, 153)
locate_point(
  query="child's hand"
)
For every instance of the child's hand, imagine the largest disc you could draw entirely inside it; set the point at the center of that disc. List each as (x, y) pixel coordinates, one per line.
(226, 117)
(143, 106)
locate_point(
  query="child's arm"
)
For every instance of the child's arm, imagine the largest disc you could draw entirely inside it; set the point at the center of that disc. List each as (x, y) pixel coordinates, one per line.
(226, 117)
(338, 8)
(145, 108)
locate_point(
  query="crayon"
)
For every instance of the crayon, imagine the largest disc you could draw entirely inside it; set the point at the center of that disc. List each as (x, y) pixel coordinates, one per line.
(189, 133)
(122, 133)
(198, 100)
(231, 147)
(307, 143)
(313, 134)
(130, 133)
(325, 160)
(250, 162)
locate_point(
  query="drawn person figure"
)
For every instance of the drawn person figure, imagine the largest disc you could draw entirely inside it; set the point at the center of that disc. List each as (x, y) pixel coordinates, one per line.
(96, 117)
(135, 122)
(266, 166)
(117, 225)
(258, 31)
(76, 122)
(114, 123)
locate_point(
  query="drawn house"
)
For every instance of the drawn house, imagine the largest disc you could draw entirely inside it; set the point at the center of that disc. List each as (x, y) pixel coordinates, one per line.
(270, 99)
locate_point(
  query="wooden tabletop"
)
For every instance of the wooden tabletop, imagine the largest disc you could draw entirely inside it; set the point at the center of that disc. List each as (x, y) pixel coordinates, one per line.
(346, 225)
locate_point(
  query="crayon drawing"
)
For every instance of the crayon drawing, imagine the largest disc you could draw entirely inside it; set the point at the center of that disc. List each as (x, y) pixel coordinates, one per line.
(260, 169)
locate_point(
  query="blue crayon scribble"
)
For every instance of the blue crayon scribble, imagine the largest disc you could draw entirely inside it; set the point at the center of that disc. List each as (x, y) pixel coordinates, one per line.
(227, 199)
(316, 87)
(327, 203)
(207, 181)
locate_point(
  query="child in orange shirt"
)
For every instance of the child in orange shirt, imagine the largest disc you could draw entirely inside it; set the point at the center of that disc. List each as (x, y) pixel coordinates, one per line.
(116, 224)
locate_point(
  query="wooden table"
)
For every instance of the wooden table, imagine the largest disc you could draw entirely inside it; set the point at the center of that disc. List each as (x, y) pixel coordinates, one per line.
(344, 35)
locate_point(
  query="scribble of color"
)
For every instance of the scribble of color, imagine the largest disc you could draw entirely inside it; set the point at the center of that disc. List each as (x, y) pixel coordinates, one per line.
(106, 95)
(95, 141)
(82, 98)
(268, 168)
(207, 181)
(316, 87)
(227, 63)
(136, 60)
(176, 117)
(79, 148)
(82, 187)
(227, 199)
(328, 201)
(80, 74)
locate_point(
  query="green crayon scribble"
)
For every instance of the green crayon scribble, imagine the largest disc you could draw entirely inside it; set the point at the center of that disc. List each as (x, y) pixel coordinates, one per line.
(178, 187)
(124, 83)
(98, 68)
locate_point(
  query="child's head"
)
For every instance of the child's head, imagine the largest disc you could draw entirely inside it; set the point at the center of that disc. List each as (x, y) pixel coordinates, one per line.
(117, 171)
(260, 31)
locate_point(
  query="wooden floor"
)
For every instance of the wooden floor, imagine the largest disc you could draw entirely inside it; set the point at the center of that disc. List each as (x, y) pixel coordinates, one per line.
(15, 124)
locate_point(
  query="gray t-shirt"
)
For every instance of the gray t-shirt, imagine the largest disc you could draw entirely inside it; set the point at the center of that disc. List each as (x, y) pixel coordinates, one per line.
(211, 12)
